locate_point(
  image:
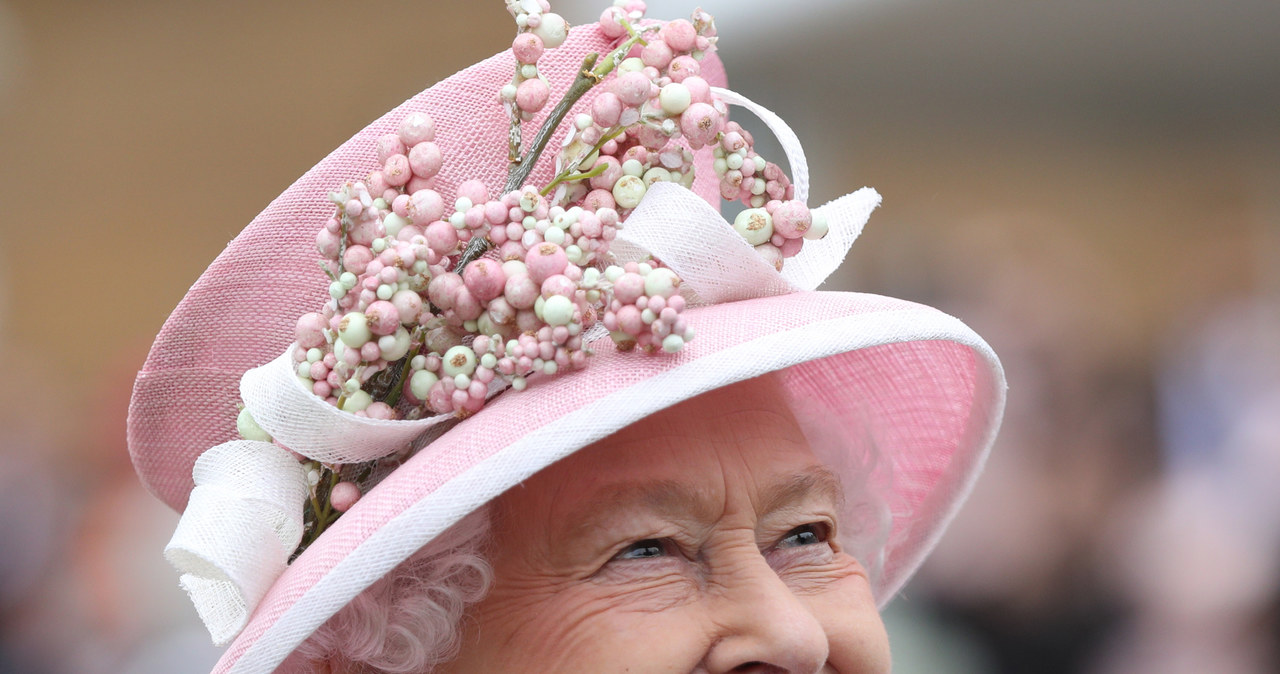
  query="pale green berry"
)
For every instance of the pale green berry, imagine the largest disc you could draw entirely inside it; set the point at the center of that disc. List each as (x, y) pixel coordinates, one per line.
(249, 429)
(529, 222)
(351, 385)
(471, 326)
(386, 291)
(458, 220)
(733, 161)
(528, 71)
(648, 316)
(644, 268)
(557, 310)
(590, 277)
(655, 175)
(508, 92)
(378, 245)
(357, 401)
(514, 268)
(581, 121)
(760, 163)
(336, 291)
(348, 280)
(418, 362)
(314, 354)
(554, 235)
(518, 383)
(661, 281)
(421, 382)
(628, 191)
(304, 370)
(459, 360)
(613, 272)
(675, 98)
(353, 329)
(393, 224)
(461, 381)
(632, 167)
(819, 228)
(630, 65)
(574, 253)
(757, 187)
(672, 343)
(755, 225)
(394, 346)
(550, 367)
(489, 360)
(758, 201)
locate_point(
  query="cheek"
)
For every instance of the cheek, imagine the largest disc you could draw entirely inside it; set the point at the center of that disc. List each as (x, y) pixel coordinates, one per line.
(855, 631)
(593, 626)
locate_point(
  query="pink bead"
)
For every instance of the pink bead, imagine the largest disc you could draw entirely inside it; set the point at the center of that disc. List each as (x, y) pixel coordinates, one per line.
(442, 237)
(319, 371)
(656, 54)
(377, 183)
(396, 170)
(651, 137)
(387, 145)
(379, 410)
(328, 243)
(559, 284)
(439, 399)
(699, 89)
(424, 207)
(343, 496)
(628, 288)
(356, 259)
(322, 389)
(612, 171)
(477, 389)
(682, 67)
(632, 88)
(416, 184)
(511, 250)
(495, 212)
(383, 316)
(790, 247)
(527, 47)
(443, 289)
(611, 22)
(521, 292)
(369, 352)
(425, 159)
(629, 320)
(578, 360)
(309, 332)
(792, 219)
(532, 94)
(484, 278)
(526, 320)
(400, 205)
(700, 123)
(417, 128)
(679, 34)
(466, 306)
(544, 260)
(408, 304)
(597, 199)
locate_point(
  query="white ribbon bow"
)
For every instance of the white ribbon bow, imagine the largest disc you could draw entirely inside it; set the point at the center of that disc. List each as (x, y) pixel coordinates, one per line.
(244, 518)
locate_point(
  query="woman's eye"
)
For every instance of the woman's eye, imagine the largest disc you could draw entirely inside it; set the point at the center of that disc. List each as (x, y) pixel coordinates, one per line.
(807, 534)
(646, 549)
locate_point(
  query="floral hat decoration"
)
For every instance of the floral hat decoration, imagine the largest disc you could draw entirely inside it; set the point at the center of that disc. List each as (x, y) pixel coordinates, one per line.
(511, 265)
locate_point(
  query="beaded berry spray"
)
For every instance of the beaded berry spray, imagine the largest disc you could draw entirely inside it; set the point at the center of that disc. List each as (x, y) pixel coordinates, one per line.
(440, 301)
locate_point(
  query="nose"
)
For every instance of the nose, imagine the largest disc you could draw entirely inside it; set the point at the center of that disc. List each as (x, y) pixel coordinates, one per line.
(764, 628)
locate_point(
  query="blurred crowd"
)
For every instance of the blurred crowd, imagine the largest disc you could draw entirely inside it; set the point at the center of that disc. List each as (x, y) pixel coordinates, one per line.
(1116, 240)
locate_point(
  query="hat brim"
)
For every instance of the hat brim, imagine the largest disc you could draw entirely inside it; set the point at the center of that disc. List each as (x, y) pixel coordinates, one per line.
(929, 388)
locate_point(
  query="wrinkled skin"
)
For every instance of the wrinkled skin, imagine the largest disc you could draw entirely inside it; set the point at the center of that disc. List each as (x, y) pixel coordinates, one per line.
(700, 539)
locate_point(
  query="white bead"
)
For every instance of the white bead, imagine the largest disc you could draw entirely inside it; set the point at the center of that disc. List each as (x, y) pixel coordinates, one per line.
(514, 268)
(661, 281)
(314, 354)
(557, 310)
(489, 360)
(629, 190)
(459, 360)
(394, 346)
(554, 235)
(249, 429)
(528, 71)
(672, 343)
(755, 225)
(385, 292)
(508, 92)
(393, 224)
(613, 272)
(462, 381)
(581, 121)
(818, 228)
(418, 362)
(518, 383)
(357, 401)
(720, 166)
(552, 29)
(336, 291)
(421, 382)
(632, 64)
(633, 167)
(353, 329)
(675, 98)
(348, 280)
(656, 174)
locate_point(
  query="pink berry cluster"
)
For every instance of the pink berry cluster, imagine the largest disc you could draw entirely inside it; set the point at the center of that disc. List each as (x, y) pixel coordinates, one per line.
(423, 321)
(539, 29)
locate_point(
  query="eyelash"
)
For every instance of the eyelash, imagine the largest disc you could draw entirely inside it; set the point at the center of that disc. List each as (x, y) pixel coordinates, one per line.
(813, 533)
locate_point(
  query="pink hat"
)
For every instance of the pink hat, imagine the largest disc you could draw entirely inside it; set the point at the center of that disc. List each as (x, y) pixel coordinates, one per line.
(908, 381)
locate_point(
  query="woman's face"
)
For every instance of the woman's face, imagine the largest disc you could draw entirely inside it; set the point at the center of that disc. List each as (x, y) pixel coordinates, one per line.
(698, 540)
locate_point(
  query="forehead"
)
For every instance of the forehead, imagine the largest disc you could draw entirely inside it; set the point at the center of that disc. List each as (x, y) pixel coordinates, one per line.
(743, 434)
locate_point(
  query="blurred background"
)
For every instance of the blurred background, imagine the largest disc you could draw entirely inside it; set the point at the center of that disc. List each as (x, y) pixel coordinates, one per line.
(1093, 185)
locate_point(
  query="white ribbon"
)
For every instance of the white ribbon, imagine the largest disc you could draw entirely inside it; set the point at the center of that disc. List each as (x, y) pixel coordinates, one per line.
(243, 520)
(244, 517)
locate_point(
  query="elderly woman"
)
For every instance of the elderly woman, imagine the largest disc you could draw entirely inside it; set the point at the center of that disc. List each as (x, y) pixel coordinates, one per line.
(577, 423)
